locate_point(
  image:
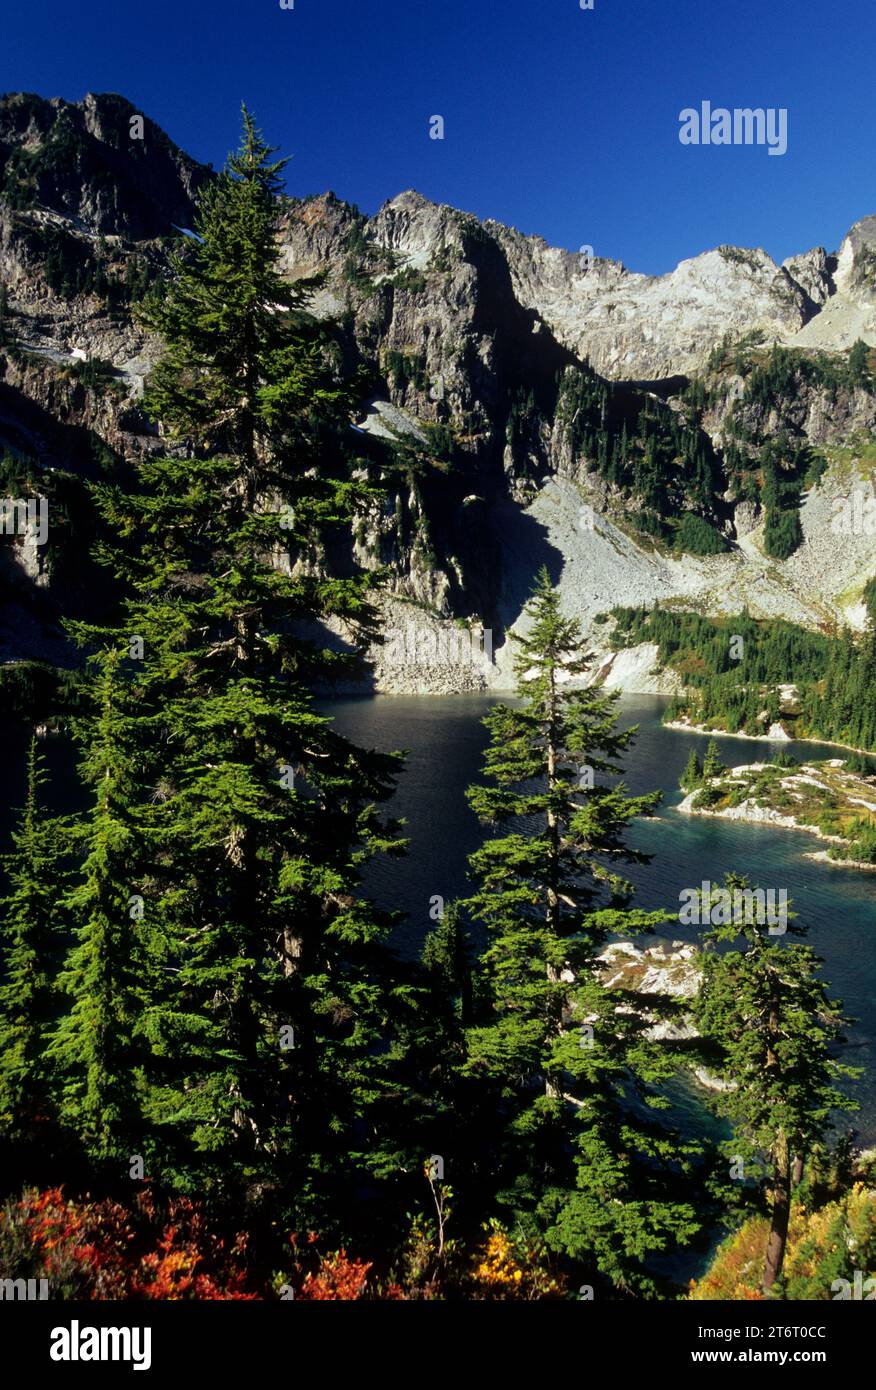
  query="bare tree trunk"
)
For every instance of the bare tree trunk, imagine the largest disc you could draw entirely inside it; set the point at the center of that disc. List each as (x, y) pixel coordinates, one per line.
(553, 899)
(797, 1171)
(291, 951)
(781, 1198)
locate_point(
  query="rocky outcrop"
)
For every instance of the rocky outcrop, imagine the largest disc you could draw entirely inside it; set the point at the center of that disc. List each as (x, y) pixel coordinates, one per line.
(667, 971)
(807, 797)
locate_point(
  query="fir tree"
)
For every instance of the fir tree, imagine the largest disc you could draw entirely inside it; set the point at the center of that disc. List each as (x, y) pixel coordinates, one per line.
(31, 946)
(557, 1058)
(269, 1039)
(774, 1029)
(712, 765)
(692, 777)
(97, 1046)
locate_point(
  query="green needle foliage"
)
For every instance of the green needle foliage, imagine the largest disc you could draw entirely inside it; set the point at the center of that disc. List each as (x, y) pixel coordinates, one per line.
(268, 994)
(97, 1047)
(692, 776)
(581, 1156)
(774, 1030)
(712, 765)
(31, 937)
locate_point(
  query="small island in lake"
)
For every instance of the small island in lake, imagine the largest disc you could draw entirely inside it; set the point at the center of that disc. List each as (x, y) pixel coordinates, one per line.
(833, 798)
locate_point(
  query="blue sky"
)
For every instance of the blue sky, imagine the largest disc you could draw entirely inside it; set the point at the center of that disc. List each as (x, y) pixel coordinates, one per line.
(559, 121)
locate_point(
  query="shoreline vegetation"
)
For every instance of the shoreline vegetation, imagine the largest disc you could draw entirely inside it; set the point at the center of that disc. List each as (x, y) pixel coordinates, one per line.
(831, 798)
(763, 679)
(683, 726)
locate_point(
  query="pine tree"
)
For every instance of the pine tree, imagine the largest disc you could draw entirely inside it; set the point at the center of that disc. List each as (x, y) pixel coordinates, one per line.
(712, 765)
(31, 946)
(559, 1062)
(269, 1040)
(767, 1013)
(692, 777)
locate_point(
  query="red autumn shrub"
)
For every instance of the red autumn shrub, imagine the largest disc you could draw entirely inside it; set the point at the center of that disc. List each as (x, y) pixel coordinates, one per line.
(102, 1250)
(337, 1277)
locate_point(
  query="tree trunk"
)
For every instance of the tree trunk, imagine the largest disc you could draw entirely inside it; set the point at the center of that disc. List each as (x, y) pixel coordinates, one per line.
(797, 1171)
(781, 1198)
(292, 949)
(553, 898)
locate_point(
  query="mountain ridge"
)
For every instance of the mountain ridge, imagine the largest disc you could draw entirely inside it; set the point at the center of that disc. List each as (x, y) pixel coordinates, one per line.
(498, 365)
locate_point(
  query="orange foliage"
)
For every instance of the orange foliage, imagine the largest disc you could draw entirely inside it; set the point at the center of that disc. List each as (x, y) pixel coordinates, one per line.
(337, 1278)
(102, 1250)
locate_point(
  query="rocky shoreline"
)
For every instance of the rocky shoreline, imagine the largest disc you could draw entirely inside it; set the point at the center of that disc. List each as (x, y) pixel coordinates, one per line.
(667, 968)
(685, 727)
(828, 780)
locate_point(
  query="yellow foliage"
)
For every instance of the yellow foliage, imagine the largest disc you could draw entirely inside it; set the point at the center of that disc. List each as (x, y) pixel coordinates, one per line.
(503, 1269)
(835, 1240)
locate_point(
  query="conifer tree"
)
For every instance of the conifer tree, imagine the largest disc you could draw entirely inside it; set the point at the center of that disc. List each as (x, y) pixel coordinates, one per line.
(692, 777)
(31, 945)
(557, 1057)
(774, 1030)
(269, 1038)
(712, 765)
(447, 961)
(859, 363)
(97, 1047)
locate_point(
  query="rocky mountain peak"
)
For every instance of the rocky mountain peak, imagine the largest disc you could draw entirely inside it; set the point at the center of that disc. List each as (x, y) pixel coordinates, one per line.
(856, 263)
(79, 160)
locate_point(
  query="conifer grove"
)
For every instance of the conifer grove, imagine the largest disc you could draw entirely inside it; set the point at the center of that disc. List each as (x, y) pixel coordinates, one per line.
(213, 1054)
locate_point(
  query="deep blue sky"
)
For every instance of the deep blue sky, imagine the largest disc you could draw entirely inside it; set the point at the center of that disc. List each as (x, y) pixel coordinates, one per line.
(559, 121)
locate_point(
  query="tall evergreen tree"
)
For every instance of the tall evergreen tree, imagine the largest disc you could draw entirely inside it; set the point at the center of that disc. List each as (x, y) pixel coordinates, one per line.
(97, 1047)
(564, 1063)
(269, 1037)
(692, 776)
(774, 1029)
(712, 765)
(31, 947)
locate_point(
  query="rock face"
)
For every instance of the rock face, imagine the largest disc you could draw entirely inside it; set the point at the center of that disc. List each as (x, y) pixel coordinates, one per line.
(494, 361)
(638, 327)
(81, 162)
